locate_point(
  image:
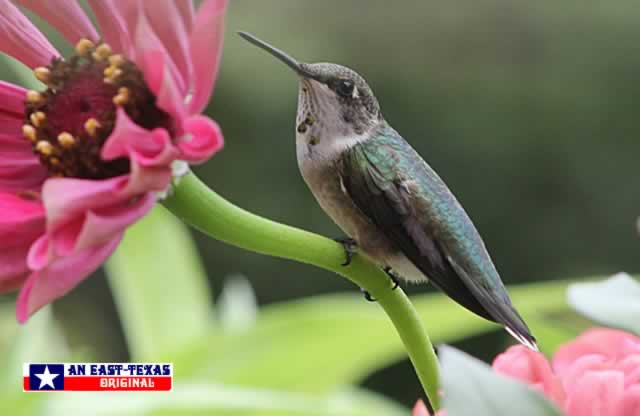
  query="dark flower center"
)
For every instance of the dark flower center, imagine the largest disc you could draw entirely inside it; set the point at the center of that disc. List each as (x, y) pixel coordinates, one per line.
(70, 121)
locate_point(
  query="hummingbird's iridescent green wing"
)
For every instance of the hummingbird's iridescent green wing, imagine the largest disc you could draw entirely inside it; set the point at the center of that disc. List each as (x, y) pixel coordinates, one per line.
(405, 198)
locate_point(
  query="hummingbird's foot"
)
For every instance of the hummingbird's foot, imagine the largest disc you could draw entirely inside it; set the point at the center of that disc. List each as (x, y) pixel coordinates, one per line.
(349, 245)
(393, 276)
(367, 295)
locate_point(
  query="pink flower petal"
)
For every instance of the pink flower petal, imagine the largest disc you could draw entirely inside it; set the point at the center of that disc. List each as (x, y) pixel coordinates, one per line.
(12, 103)
(101, 225)
(203, 139)
(20, 169)
(630, 366)
(630, 403)
(161, 82)
(22, 220)
(597, 393)
(16, 146)
(9, 124)
(205, 43)
(65, 199)
(94, 228)
(582, 366)
(113, 26)
(64, 15)
(186, 13)
(147, 148)
(148, 44)
(607, 342)
(146, 179)
(420, 409)
(13, 283)
(13, 264)
(39, 254)
(21, 39)
(129, 11)
(167, 22)
(62, 241)
(150, 153)
(21, 223)
(521, 363)
(44, 286)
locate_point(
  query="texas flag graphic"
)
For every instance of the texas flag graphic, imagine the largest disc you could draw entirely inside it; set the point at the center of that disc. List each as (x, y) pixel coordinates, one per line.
(97, 377)
(45, 377)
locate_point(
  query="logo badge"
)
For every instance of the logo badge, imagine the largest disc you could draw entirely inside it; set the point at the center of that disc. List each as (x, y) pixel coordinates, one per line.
(97, 377)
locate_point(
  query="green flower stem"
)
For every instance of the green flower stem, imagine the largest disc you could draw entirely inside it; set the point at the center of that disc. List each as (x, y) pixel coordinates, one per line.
(199, 206)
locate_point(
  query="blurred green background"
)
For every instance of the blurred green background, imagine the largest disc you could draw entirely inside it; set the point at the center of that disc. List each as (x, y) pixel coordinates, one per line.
(526, 109)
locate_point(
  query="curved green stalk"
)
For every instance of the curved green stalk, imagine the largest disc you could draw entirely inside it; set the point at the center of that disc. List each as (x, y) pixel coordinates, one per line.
(199, 206)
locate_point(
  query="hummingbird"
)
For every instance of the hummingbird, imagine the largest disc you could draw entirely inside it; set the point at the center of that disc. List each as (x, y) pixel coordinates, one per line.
(385, 197)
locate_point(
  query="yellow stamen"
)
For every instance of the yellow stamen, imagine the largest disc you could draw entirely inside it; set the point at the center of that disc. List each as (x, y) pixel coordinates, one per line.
(109, 71)
(54, 161)
(111, 74)
(29, 132)
(123, 96)
(38, 118)
(102, 52)
(84, 46)
(91, 126)
(43, 74)
(116, 60)
(44, 147)
(34, 97)
(66, 140)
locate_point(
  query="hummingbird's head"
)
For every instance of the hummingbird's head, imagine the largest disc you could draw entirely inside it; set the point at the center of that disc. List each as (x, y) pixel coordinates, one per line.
(334, 101)
(337, 97)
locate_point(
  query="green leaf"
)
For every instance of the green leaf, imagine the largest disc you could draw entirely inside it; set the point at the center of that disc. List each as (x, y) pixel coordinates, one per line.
(340, 339)
(220, 400)
(19, 73)
(38, 340)
(159, 286)
(472, 388)
(613, 302)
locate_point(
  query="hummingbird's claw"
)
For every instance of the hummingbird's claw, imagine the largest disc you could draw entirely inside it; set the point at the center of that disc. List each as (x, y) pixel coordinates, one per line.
(393, 276)
(349, 245)
(367, 295)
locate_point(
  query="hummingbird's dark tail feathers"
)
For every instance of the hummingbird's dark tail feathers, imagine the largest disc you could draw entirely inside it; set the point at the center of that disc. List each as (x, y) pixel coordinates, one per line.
(498, 307)
(507, 315)
(491, 303)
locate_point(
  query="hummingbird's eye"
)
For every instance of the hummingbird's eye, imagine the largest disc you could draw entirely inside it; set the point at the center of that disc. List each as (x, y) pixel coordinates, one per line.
(345, 87)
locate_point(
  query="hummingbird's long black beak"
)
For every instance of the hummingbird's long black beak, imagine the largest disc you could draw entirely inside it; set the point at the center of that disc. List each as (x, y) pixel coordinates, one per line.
(291, 62)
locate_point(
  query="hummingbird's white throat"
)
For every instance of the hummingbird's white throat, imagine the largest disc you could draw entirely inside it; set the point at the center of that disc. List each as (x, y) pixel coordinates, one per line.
(321, 131)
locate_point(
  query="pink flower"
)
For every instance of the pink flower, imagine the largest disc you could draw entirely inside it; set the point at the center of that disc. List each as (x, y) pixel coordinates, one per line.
(88, 156)
(420, 409)
(532, 368)
(597, 374)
